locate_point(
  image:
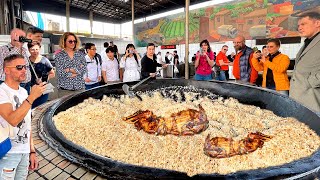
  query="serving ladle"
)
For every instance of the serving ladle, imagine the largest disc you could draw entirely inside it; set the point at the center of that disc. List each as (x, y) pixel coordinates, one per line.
(129, 90)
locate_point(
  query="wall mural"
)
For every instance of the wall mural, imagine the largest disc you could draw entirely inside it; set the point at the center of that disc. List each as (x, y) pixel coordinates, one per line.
(253, 19)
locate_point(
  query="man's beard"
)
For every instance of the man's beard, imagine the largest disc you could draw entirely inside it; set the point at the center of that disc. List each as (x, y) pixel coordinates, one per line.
(20, 79)
(238, 48)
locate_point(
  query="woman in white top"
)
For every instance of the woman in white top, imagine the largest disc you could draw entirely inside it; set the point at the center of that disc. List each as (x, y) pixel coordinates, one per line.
(130, 65)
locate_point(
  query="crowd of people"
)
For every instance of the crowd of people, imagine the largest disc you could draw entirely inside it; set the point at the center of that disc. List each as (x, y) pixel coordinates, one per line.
(24, 74)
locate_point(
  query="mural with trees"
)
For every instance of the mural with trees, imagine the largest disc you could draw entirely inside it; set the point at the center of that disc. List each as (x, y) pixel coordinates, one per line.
(253, 19)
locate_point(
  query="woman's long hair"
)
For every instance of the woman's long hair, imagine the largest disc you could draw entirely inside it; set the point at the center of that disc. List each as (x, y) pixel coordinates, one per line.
(206, 42)
(134, 55)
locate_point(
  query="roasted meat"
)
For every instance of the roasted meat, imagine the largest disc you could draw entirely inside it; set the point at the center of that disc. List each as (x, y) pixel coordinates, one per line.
(221, 147)
(186, 122)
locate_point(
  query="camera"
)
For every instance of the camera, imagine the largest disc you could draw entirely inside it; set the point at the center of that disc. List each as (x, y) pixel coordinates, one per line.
(24, 39)
(131, 51)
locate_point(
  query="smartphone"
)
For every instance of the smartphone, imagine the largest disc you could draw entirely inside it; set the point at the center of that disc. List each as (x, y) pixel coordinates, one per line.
(131, 51)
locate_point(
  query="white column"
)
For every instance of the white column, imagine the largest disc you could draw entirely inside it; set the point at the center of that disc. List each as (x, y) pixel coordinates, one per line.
(132, 17)
(187, 41)
(91, 22)
(68, 15)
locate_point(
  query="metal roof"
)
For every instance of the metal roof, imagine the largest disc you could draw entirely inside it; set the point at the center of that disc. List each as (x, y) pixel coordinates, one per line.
(113, 11)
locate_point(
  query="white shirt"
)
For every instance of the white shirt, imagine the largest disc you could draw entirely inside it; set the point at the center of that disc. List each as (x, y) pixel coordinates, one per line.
(112, 69)
(159, 59)
(131, 69)
(93, 70)
(20, 136)
(103, 54)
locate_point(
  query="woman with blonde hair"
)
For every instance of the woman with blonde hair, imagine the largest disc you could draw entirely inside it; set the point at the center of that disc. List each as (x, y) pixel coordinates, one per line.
(71, 65)
(274, 65)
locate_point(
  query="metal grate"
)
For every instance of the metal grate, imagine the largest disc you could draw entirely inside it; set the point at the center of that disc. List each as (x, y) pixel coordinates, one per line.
(116, 11)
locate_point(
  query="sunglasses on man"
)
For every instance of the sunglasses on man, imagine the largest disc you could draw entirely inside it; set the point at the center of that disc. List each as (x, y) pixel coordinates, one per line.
(19, 67)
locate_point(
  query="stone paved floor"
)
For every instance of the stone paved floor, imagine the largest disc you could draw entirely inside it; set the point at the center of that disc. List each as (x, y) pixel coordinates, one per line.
(51, 164)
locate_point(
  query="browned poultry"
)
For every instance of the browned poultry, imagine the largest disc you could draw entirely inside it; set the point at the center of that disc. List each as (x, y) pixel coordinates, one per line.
(221, 147)
(186, 122)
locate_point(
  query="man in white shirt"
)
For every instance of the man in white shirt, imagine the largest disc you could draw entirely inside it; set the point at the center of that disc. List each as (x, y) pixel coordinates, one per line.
(160, 61)
(93, 75)
(110, 67)
(15, 114)
(103, 52)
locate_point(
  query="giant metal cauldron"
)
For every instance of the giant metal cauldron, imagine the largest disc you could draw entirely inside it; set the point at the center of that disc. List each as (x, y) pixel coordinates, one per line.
(112, 169)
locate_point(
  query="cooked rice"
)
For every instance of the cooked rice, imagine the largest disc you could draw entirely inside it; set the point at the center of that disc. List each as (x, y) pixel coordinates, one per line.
(97, 126)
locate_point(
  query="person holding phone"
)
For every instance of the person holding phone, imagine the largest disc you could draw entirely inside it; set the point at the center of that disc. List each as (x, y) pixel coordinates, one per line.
(43, 69)
(204, 62)
(149, 63)
(15, 111)
(274, 65)
(130, 65)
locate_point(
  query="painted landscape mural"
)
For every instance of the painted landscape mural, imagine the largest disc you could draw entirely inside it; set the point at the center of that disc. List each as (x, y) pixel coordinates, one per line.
(253, 19)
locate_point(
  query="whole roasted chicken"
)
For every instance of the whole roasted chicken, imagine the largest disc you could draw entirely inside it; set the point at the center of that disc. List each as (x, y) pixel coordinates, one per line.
(186, 122)
(221, 147)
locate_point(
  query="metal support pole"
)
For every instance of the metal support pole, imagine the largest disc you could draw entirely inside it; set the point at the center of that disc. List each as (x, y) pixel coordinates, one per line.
(91, 22)
(120, 33)
(21, 15)
(187, 41)
(13, 19)
(68, 15)
(132, 16)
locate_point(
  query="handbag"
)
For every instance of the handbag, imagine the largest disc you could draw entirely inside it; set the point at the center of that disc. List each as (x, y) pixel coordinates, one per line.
(176, 70)
(216, 69)
(5, 143)
(6, 130)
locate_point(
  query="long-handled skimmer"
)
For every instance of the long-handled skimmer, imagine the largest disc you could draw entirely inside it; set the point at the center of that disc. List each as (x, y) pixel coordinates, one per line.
(129, 90)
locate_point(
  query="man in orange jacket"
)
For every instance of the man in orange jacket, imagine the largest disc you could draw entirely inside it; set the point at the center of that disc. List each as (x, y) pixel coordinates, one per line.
(242, 66)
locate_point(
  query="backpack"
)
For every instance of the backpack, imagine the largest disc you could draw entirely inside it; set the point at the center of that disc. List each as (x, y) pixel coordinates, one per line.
(98, 59)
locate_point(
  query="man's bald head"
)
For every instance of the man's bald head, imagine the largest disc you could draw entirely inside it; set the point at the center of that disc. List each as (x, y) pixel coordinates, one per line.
(239, 42)
(240, 38)
(14, 35)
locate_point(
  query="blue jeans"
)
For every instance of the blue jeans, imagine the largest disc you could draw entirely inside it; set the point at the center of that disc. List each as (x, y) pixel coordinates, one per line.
(40, 100)
(199, 77)
(14, 166)
(90, 86)
(27, 86)
(222, 76)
